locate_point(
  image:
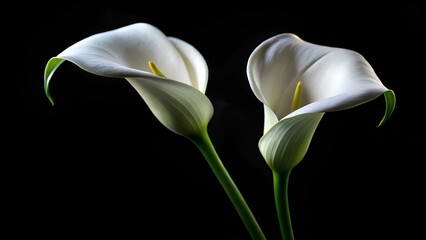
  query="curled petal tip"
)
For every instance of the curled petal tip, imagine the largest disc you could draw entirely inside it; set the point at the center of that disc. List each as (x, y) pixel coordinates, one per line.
(390, 99)
(51, 101)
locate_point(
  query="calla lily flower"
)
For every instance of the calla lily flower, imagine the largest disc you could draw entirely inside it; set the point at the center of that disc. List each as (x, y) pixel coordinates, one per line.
(171, 77)
(298, 82)
(168, 73)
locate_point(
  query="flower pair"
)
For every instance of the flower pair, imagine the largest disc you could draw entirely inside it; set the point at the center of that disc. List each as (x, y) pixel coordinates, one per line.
(296, 81)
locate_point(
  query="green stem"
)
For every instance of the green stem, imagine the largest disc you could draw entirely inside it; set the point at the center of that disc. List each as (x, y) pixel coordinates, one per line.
(206, 147)
(281, 201)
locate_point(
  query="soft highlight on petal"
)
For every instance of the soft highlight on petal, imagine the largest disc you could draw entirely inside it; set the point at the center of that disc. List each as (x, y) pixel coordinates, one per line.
(124, 52)
(131, 47)
(333, 78)
(275, 66)
(340, 102)
(195, 64)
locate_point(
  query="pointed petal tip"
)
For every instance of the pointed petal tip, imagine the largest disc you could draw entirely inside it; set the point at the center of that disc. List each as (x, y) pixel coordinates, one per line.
(390, 99)
(50, 100)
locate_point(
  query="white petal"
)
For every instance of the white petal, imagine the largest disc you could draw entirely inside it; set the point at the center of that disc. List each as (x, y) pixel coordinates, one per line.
(270, 118)
(275, 66)
(125, 52)
(195, 64)
(344, 101)
(179, 107)
(333, 78)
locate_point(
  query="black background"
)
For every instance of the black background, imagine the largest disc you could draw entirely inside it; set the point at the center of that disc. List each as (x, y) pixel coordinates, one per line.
(99, 164)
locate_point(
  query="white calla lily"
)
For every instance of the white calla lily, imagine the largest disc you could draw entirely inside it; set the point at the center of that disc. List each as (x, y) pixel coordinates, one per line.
(298, 82)
(171, 77)
(176, 98)
(332, 79)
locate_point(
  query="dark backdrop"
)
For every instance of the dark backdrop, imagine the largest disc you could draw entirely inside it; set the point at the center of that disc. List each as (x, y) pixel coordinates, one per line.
(98, 164)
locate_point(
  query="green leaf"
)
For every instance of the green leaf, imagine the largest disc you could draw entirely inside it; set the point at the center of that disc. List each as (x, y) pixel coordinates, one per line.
(286, 143)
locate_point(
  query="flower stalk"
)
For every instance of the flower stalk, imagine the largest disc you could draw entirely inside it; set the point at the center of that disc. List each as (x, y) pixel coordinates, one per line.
(281, 180)
(204, 144)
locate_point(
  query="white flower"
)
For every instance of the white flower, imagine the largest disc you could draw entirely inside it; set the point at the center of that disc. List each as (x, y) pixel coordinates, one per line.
(326, 78)
(176, 95)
